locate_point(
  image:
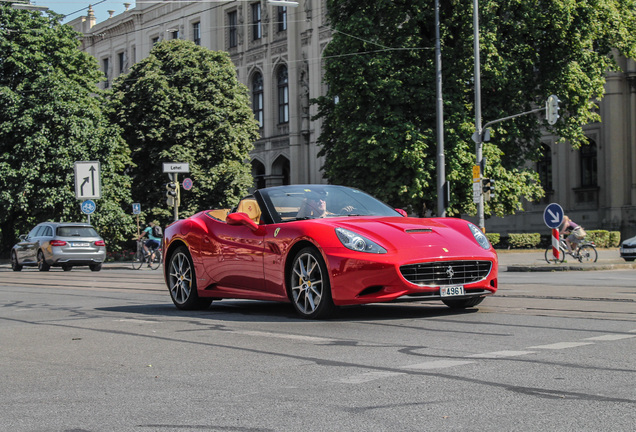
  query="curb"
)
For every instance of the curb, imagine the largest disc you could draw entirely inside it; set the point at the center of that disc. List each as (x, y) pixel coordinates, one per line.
(567, 267)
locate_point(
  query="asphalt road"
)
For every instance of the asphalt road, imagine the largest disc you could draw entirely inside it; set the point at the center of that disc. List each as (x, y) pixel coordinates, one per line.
(108, 351)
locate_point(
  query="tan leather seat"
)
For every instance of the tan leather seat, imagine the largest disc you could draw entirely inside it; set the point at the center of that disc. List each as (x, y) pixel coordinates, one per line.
(250, 207)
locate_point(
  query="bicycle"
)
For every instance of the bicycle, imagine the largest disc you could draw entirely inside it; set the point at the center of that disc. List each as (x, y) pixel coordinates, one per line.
(153, 259)
(584, 252)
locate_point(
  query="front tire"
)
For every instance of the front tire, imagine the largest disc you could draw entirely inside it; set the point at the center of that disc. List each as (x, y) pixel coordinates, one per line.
(464, 303)
(42, 265)
(15, 266)
(549, 257)
(309, 285)
(182, 282)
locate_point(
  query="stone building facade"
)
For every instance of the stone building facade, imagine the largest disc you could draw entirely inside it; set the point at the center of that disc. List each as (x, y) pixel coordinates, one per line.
(277, 53)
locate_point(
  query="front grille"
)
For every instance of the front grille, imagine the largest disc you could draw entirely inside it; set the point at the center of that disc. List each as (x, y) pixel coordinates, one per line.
(446, 272)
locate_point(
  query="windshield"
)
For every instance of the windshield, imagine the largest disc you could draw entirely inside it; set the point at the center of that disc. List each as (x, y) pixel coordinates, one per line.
(298, 202)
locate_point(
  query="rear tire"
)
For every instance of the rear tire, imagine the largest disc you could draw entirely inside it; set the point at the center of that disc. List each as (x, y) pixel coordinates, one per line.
(42, 265)
(14, 262)
(95, 267)
(156, 262)
(182, 282)
(67, 267)
(465, 303)
(587, 253)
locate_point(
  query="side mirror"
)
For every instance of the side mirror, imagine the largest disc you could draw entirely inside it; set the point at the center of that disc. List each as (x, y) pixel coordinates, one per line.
(240, 218)
(22, 237)
(402, 212)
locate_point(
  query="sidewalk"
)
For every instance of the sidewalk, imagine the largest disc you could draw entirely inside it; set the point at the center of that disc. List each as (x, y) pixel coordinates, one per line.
(534, 260)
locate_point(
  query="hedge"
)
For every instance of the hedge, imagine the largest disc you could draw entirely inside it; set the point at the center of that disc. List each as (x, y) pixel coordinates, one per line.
(601, 238)
(525, 240)
(493, 238)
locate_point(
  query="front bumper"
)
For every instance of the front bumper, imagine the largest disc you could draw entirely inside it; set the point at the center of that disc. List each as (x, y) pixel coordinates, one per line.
(355, 281)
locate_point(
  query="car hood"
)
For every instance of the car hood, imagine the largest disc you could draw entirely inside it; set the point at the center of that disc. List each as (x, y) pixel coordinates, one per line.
(442, 237)
(630, 242)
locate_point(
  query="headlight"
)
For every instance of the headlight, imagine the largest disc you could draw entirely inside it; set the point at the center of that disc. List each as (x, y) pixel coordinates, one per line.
(479, 236)
(356, 242)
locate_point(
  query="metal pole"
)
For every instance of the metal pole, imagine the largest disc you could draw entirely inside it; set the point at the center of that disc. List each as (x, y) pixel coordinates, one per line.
(176, 200)
(441, 170)
(478, 129)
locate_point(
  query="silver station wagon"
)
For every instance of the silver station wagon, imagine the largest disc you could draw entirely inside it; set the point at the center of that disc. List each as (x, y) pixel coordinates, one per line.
(59, 244)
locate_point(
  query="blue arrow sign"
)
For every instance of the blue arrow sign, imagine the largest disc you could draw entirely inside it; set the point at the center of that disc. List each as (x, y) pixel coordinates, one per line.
(553, 215)
(136, 208)
(88, 207)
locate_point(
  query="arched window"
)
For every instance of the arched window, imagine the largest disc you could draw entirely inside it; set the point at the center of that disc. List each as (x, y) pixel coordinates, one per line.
(257, 98)
(283, 95)
(280, 171)
(258, 173)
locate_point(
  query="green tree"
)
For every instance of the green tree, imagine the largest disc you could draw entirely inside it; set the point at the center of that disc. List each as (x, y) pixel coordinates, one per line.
(379, 112)
(184, 103)
(51, 117)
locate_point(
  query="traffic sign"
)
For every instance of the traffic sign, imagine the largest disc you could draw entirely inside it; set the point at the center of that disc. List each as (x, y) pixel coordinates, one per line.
(87, 180)
(88, 207)
(176, 167)
(136, 208)
(553, 215)
(186, 183)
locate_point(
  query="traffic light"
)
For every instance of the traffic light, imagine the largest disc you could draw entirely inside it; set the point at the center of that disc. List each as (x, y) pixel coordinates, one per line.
(552, 109)
(488, 189)
(172, 194)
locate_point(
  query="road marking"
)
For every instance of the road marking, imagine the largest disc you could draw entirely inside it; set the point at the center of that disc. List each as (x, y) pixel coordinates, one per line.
(311, 339)
(562, 345)
(134, 320)
(610, 337)
(438, 364)
(501, 354)
(368, 376)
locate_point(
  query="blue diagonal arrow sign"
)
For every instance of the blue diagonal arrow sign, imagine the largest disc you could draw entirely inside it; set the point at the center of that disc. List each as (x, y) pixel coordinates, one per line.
(553, 215)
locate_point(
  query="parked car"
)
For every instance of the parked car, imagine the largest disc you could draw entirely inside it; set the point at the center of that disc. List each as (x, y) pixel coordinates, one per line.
(628, 249)
(323, 246)
(59, 244)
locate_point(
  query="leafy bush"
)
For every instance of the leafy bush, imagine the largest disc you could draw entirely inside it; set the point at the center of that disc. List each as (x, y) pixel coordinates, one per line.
(493, 238)
(601, 238)
(615, 238)
(525, 240)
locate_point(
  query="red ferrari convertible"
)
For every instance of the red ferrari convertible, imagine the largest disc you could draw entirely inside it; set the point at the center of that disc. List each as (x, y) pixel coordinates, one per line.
(323, 246)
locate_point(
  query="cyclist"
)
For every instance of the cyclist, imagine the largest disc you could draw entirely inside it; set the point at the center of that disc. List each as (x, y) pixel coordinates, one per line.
(575, 233)
(154, 233)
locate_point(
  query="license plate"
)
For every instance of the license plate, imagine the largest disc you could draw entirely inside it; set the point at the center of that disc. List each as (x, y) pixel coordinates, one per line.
(451, 291)
(76, 244)
(629, 250)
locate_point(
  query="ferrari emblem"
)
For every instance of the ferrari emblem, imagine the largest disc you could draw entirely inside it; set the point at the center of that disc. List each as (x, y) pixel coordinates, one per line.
(450, 272)
(445, 250)
(276, 232)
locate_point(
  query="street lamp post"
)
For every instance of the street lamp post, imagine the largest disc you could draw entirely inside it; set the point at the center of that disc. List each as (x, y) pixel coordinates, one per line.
(441, 169)
(478, 129)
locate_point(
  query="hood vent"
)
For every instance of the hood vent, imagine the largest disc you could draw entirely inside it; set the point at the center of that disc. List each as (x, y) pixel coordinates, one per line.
(419, 231)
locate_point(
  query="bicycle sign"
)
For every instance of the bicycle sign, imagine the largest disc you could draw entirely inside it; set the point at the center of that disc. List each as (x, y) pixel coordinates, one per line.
(553, 215)
(88, 207)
